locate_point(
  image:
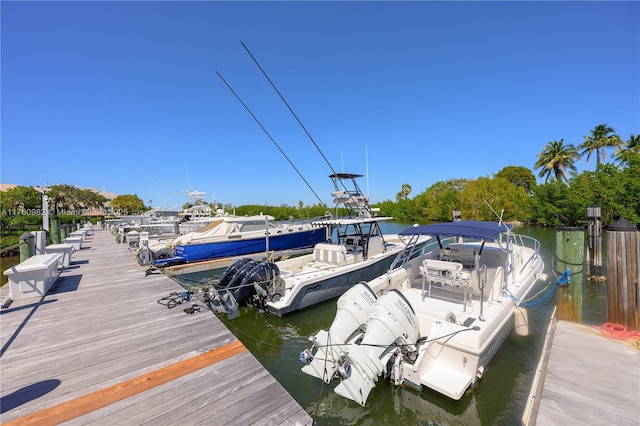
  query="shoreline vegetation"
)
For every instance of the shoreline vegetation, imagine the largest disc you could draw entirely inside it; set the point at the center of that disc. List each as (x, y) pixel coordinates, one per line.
(512, 193)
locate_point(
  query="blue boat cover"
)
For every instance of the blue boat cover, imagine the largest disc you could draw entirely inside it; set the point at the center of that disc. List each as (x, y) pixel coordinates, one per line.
(466, 228)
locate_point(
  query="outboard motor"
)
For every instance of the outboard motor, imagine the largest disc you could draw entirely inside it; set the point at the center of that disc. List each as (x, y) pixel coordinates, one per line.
(265, 285)
(235, 272)
(261, 275)
(231, 279)
(267, 275)
(391, 322)
(348, 324)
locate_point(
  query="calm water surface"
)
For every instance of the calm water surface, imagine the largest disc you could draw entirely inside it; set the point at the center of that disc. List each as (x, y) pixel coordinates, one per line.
(7, 262)
(499, 399)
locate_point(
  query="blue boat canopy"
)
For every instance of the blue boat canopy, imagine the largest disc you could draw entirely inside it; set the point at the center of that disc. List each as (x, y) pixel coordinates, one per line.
(466, 228)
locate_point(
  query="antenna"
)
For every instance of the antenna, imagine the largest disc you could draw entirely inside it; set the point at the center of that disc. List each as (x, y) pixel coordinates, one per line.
(366, 159)
(188, 180)
(494, 212)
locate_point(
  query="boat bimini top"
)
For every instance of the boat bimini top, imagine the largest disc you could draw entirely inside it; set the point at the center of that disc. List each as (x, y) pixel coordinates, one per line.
(466, 229)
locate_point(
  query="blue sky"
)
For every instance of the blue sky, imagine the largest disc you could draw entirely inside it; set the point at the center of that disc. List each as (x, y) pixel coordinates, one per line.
(124, 95)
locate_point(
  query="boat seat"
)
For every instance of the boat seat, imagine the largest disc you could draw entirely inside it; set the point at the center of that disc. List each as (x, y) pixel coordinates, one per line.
(466, 255)
(333, 254)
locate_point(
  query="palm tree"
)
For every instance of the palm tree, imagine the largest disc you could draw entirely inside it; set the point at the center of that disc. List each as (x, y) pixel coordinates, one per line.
(556, 158)
(404, 192)
(602, 137)
(630, 150)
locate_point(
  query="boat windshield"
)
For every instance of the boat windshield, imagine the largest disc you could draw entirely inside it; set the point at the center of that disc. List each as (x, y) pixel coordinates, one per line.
(255, 225)
(416, 246)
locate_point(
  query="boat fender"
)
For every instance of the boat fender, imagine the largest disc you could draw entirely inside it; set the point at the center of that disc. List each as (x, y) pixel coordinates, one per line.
(521, 321)
(231, 271)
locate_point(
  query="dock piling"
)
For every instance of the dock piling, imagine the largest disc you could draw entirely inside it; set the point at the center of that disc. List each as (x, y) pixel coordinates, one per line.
(623, 274)
(56, 236)
(570, 244)
(27, 246)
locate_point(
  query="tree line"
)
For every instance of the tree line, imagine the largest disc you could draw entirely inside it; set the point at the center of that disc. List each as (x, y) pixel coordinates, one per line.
(561, 200)
(512, 192)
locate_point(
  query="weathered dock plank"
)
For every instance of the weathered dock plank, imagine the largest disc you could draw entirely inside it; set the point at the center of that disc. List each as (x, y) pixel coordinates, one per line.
(99, 349)
(589, 380)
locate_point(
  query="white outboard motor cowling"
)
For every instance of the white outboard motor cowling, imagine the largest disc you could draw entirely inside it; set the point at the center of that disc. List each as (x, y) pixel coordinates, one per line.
(351, 316)
(391, 322)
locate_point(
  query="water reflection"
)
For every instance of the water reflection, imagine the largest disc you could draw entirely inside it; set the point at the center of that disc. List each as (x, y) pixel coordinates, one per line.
(397, 405)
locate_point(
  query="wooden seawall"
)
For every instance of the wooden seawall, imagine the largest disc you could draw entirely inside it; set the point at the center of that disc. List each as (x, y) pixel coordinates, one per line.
(98, 348)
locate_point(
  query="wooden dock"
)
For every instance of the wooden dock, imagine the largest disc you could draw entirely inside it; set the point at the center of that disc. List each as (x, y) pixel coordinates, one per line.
(99, 349)
(585, 378)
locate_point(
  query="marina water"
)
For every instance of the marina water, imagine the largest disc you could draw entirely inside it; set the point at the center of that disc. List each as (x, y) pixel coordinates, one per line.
(499, 399)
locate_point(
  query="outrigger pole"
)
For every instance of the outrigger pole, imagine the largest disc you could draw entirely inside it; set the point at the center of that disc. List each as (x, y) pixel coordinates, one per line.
(288, 106)
(270, 137)
(292, 112)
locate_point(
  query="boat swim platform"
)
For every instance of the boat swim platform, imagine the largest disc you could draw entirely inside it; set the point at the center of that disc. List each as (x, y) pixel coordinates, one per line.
(584, 378)
(98, 348)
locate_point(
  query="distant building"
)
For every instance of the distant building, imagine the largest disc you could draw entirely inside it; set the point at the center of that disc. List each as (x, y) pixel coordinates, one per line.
(106, 210)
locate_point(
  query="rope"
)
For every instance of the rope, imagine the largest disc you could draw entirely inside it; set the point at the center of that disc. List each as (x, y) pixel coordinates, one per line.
(174, 299)
(192, 309)
(620, 332)
(324, 369)
(563, 280)
(555, 259)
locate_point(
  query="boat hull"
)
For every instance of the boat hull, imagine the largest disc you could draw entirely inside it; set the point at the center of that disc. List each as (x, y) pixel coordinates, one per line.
(239, 246)
(330, 286)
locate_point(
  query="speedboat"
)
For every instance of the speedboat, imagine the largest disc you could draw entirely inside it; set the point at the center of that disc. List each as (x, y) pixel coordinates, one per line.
(358, 251)
(436, 318)
(231, 236)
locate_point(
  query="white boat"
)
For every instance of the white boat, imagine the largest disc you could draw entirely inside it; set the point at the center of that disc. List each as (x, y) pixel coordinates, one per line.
(165, 225)
(358, 251)
(436, 318)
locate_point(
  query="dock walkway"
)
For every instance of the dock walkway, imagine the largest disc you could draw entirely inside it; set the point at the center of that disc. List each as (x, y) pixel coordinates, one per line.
(99, 349)
(585, 378)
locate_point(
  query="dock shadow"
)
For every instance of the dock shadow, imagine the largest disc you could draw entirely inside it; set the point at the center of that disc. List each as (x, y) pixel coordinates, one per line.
(78, 262)
(34, 307)
(66, 284)
(9, 310)
(26, 394)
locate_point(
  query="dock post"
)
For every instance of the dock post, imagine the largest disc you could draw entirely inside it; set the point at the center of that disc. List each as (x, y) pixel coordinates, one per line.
(45, 212)
(594, 247)
(56, 236)
(27, 246)
(40, 241)
(623, 274)
(570, 244)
